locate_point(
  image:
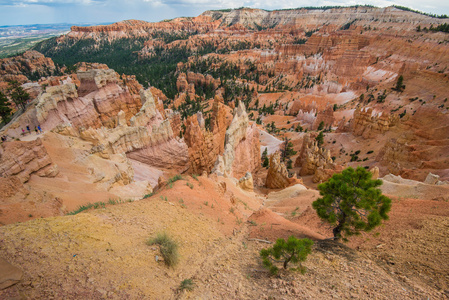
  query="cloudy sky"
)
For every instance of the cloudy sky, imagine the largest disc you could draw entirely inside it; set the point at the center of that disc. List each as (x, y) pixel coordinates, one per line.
(21, 12)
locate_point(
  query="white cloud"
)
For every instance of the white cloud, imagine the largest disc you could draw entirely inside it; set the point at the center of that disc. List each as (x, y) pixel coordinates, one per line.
(36, 11)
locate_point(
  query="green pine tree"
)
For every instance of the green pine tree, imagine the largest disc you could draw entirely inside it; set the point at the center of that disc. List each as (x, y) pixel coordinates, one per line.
(352, 202)
(288, 150)
(18, 95)
(320, 139)
(265, 160)
(5, 110)
(291, 251)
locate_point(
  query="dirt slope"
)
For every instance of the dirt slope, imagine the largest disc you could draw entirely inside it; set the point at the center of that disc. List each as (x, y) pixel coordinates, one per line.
(102, 253)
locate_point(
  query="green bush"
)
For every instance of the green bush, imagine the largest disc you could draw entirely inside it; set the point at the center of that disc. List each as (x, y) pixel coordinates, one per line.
(167, 247)
(186, 284)
(293, 250)
(174, 178)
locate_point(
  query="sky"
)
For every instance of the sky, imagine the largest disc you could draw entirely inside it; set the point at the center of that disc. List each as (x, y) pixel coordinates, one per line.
(24, 12)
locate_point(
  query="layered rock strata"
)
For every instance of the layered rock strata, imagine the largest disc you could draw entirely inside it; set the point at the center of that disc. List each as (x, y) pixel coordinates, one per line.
(96, 103)
(21, 159)
(149, 138)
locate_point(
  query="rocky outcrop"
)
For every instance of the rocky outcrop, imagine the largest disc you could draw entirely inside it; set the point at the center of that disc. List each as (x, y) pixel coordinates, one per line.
(220, 121)
(95, 79)
(375, 173)
(132, 84)
(181, 83)
(203, 151)
(325, 117)
(159, 99)
(96, 103)
(101, 87)
(277, 176)
(149, 139)
(400, 187)
(61, 104)
(21, 159)
(366, 124)
(197, 79)
(247, 153)
(22, 66)
(205, 145)
(246, 182)
(175, 121)
(242, 147)
(311, 18)
(136, 28)
(315, 160)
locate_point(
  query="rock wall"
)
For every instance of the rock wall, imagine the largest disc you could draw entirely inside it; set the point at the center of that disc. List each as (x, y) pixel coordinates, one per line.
(61, 104)
(220, 120)
(247, 153)
(242, 147)
(149, 138)
(96, 103)
(203, 151)
(205, 145)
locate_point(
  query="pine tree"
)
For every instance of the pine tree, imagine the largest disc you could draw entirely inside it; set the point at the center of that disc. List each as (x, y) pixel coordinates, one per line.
(18, 94)
(299, 128)
(5, 110)
(400, 84)
(291, 251)
(288, 150)
(320, 139)
(352, 202)
(321, 126)
(265, 160)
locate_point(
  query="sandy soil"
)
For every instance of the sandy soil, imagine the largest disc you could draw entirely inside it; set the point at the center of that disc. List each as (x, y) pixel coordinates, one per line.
(102, 253)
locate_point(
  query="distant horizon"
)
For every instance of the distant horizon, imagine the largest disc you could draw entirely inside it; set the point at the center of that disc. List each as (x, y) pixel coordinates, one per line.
(48, 12)
(61, 23)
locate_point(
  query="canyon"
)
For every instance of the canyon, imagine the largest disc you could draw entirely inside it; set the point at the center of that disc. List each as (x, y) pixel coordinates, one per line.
(223, 144)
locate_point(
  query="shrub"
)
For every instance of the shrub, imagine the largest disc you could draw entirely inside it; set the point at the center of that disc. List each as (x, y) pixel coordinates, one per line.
(293, 250)
(352, 202)
(299, 128)
(167, 247)
(174, 178)
(186, 284)
(354, 157)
